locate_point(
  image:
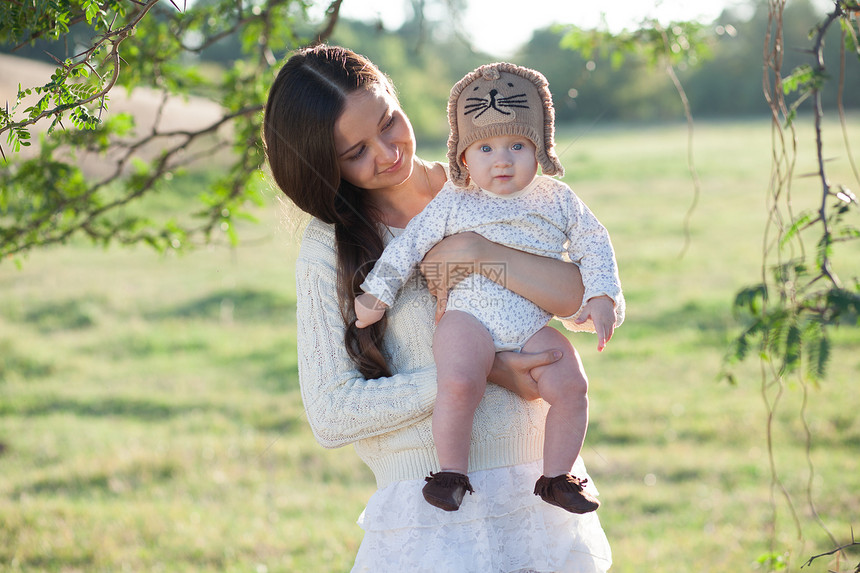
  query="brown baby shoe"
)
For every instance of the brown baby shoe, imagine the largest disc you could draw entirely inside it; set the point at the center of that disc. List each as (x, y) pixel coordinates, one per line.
(565, 491)
(445, 490)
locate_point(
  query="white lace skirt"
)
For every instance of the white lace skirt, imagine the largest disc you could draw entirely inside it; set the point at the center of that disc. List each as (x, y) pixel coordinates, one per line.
(501, 528)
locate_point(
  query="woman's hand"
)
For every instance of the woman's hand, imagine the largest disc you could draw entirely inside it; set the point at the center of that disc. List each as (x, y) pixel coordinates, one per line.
(512, 370)
(553, 285)
(449, 261)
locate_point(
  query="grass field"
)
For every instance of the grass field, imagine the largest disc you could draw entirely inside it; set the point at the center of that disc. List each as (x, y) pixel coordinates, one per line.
(150, 418)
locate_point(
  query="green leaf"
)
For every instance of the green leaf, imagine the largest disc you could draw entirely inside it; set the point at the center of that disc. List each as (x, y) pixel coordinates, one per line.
(824, 252)
(795, 228)
(842, 306)
(800, 76)
(751, 299)
(818, 351)
(92, 10)
(775, 561)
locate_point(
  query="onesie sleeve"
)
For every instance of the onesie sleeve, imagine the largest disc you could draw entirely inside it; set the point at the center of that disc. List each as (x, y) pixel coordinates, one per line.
(341, 405)
(590, 248)
(401, 256)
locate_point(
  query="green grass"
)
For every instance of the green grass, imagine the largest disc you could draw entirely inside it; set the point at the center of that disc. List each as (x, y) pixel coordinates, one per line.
(150, 417)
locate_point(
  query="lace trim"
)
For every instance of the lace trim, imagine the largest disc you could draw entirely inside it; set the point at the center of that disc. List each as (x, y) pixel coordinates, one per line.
(498, 493)
(501, 528)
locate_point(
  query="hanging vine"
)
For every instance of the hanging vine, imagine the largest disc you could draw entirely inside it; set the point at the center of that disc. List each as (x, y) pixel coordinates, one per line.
(790, 314)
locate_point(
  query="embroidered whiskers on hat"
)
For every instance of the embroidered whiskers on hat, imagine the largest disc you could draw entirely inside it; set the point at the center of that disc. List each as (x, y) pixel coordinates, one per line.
(501, 99)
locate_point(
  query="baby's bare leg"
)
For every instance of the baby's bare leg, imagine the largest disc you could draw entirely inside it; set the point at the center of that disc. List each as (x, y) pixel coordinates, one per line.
(564, 385)
(464, 352)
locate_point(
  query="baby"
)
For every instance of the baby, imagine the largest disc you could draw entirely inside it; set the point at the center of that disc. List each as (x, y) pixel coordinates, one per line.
(502, 128)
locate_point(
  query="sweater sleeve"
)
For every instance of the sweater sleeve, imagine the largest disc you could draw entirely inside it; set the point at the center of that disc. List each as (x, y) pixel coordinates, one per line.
(590, 248)
(401, 256)
(342, 406)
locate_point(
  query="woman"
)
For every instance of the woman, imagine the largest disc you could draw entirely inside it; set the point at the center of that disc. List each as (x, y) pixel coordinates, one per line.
(341, 148)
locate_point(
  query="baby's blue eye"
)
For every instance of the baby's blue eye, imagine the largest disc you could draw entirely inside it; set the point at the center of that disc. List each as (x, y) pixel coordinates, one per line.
(517, 146)
(486, 148)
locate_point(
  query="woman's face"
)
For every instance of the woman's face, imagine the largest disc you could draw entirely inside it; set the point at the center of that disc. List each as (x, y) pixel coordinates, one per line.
(374, 141)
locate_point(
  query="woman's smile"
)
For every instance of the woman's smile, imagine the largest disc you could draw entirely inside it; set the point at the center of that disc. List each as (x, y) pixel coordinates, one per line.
(394, 167)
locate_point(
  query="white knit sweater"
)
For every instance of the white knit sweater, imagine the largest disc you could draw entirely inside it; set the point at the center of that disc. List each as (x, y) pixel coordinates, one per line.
(388, 419)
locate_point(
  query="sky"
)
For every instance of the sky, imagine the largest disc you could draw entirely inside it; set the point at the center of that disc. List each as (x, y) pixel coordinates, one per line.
(504, 25)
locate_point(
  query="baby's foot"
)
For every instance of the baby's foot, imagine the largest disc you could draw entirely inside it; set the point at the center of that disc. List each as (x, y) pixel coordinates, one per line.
(445, 490)
(565, 491)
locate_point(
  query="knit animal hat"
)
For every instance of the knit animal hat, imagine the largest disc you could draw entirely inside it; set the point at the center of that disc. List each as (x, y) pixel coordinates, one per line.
(501, 99)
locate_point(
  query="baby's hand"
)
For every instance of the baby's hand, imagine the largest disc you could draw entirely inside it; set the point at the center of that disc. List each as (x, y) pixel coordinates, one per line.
(601, 310)
(368, 310)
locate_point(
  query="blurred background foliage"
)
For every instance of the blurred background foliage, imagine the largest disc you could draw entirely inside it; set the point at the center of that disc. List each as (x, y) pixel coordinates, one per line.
(723, 79)
(225, 53)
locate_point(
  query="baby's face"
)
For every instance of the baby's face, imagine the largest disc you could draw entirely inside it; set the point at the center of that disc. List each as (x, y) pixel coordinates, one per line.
(502, 164)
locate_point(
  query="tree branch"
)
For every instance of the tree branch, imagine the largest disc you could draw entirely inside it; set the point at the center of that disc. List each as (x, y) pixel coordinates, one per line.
(75, 20)
(333, 15)
(115, 38)
(839, 549)
(163, 165)
(818, 52)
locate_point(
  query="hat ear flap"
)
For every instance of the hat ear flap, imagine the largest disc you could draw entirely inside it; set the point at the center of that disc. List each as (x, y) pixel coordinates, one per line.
(458, 173)
(549, 162)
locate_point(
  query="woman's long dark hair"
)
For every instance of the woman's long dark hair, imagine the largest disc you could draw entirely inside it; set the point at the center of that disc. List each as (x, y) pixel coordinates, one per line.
(304, 103)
